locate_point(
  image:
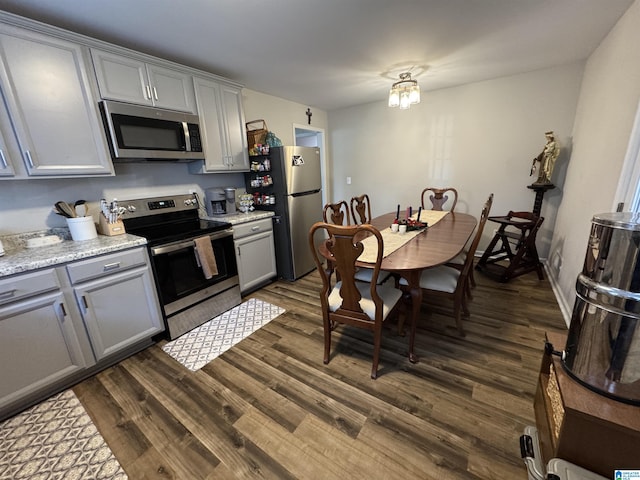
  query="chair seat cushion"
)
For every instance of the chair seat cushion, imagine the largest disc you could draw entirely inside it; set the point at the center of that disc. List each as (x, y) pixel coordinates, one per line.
(387, 291)
(442, 279)
(459, 259)
(365, 274)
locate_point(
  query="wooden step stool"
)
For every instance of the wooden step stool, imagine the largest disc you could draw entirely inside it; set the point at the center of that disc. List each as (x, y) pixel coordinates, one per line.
(514, 241)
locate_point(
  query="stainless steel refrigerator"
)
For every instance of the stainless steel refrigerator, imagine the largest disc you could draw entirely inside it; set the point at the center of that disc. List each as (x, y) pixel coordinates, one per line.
(297, 187)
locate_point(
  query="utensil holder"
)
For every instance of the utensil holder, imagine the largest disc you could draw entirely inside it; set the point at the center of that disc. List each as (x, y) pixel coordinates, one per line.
(111, 229)
(82, 228)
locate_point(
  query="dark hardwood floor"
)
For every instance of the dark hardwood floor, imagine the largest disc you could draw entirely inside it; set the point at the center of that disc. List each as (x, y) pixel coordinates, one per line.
(269, 408)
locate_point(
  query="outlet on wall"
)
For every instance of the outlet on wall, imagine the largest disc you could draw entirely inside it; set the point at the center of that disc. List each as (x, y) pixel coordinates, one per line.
(348, 180)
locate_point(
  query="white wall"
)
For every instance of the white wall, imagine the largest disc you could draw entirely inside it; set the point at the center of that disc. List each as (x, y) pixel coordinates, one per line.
(26, 205)
(280, 114)
(606, 110)
(479, 138)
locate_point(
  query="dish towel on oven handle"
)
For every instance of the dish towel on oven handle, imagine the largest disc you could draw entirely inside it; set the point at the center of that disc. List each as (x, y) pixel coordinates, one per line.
(205, 256)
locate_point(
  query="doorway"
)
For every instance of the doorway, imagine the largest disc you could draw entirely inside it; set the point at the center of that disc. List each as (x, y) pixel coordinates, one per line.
(308, 136)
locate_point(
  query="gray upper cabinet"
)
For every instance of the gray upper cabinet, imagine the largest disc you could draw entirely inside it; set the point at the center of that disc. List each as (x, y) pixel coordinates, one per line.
(8, 145)
(222, 126)
(131, 80)
(49, 95)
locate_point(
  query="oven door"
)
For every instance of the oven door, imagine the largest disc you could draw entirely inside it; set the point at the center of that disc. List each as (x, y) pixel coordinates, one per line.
(179, 276)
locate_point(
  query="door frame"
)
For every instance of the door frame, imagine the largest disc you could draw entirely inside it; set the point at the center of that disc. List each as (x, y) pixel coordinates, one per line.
(322, 145)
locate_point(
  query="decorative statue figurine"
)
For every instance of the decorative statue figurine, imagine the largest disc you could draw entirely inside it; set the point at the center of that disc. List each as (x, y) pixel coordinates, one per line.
(547, 159)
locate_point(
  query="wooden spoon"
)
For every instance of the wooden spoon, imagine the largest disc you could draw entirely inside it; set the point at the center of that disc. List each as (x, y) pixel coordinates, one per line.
(64, 209)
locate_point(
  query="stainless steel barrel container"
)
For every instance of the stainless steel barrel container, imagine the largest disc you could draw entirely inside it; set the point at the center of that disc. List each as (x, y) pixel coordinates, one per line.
(603, 344)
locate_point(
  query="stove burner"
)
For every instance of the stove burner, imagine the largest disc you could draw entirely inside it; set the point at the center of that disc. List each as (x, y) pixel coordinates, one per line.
(168, 219)
(171, 231)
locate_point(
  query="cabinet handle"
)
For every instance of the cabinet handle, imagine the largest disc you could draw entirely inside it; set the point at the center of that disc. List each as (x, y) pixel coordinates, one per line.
(27, 154)
(155, 93)
(7, 294)
(4, 160)
(255, 228)
(110, 266)
(148, 92)
(238, 248)
(84, 301)
(64, 311)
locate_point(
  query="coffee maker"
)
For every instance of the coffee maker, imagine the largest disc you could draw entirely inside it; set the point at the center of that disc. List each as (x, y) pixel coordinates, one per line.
(220, 201)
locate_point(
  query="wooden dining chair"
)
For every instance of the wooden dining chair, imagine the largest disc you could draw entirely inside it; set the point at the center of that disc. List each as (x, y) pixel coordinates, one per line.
(452, 282)
(438, 198)
(360, 304)
(361, 214)
(336, 213)
(361, 209)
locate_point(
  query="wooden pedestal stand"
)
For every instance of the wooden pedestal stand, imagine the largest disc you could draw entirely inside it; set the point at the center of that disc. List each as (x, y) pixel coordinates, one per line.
(581, 426)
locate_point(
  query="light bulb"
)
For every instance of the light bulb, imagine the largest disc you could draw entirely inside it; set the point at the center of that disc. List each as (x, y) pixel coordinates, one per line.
(394, 97)
(404, 99)
(414, 94)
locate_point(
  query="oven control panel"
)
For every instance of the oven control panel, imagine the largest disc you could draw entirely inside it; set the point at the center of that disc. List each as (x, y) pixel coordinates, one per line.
(157, 204)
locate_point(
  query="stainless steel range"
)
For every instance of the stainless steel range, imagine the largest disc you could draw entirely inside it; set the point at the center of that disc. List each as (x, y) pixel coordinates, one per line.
(195, 283)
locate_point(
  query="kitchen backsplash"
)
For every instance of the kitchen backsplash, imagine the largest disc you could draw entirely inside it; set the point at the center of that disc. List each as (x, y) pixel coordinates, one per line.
(27, 205)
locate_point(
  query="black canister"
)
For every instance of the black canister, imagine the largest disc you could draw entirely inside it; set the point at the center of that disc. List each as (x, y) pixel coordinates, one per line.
(603, 345)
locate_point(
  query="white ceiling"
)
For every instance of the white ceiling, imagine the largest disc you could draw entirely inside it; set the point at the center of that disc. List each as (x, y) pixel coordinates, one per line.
(331, 54)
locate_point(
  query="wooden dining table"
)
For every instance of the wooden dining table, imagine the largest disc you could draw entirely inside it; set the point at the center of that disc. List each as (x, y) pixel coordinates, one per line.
(435, 245)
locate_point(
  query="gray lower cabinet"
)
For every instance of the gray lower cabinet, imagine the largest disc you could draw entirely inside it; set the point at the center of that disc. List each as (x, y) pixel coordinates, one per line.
(49, 95)
(62, 324)
(119, 305)
(39, 343)
(255, 253)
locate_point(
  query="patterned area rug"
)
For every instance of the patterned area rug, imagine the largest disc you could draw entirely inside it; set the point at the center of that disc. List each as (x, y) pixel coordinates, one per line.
(198, 347)
(55, 439)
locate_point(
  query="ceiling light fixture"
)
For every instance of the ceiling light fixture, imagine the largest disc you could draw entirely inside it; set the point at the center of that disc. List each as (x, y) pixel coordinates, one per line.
(405, 92)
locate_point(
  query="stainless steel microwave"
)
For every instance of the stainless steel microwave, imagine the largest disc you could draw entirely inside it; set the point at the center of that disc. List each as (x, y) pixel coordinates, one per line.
(145, 133)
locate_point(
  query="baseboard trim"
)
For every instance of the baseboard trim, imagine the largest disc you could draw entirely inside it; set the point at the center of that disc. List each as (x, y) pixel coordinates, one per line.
(565, 307)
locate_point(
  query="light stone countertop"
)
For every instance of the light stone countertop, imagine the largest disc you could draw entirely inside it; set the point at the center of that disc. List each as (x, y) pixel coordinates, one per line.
(238, 218)
(19, 259)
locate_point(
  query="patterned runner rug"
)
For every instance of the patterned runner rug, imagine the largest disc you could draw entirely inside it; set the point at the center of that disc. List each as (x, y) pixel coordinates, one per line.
(198, 347)
(55, 439)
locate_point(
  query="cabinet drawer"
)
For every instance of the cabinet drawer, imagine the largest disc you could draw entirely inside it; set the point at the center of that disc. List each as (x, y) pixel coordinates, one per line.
(27, 285)
(105, 265)
(251, 228)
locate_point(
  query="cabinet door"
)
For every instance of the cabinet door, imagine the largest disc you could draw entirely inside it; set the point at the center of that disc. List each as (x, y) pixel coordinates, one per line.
(256, 258)
(7, 143)
(121, 78)
(237, 149)
(38, 346)
(211, 126)
(171, 89)
(222, 127)
(131, 80)
(119, 310)
(48, 94)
